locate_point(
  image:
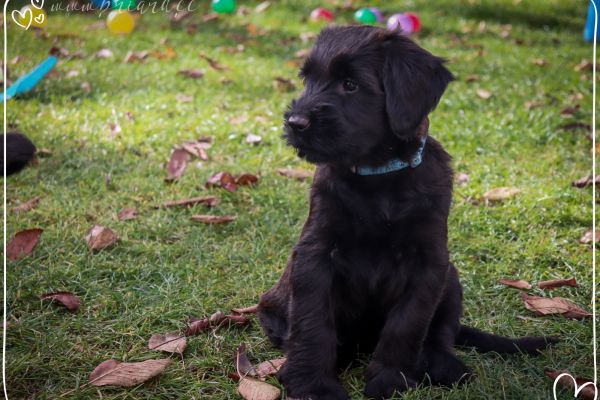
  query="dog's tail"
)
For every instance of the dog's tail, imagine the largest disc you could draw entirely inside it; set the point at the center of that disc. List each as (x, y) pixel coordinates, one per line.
(486, 342)
(19, 152)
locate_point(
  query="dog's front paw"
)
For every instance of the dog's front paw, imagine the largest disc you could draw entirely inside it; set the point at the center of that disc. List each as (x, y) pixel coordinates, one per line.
(302, 385)
(387, 381)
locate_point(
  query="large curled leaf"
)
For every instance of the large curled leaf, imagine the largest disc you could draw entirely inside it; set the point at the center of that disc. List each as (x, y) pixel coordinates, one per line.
(100, 237)
(67, 299)
(23, 243)
(554, 305)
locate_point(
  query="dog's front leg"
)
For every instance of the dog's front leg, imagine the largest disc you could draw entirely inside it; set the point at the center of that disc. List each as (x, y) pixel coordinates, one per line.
(398, 351)
(310, 370)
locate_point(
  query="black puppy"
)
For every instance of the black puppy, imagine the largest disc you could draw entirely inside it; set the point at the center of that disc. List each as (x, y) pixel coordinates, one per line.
(371, 270)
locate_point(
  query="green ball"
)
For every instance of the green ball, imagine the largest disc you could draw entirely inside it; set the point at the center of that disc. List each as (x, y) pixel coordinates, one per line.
(365, 16)
(123, 4)
(223, 6)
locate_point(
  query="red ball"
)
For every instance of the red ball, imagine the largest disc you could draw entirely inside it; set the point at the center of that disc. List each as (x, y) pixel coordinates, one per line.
(321, 14)
(415, 21)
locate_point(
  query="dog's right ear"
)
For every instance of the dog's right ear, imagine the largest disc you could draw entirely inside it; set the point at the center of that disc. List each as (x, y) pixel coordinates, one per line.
(413, 82)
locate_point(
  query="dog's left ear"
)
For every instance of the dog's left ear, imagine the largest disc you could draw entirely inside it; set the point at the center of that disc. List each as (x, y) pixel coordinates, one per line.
(413, 81)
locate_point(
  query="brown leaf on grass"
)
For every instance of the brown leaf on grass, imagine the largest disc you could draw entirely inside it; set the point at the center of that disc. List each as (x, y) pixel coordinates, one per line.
(584, 65)
(169, 343)
(462, 178)
(177, 164)
(213, 219)
(217, 320)
(183, 98)
(500, 193)
(586, 181)
(198, 148)
(242, 364)
(269, 368)
(166, 54)
(191, 73)
(298, 174)
(569, 110)
(214, 64)
(302, 53)
(240, 119)
(533, 104)
(471, 78)
(100, 237)
(179, 16)
(588, 237)
(27, 205)
(554, 305)
(253, 139)
(583, 387)
(484, 94)
(23, 243)
(246, 180)
(516, 283)
(210, 17)
(262, 7)
(209, 201)
(576, 125)
(283, 84)
(104, 53)
(115, 373)
(86, 87)
(540, 62)
(197, 326)
(251, 389)
(115, 129)
(127, 213)
(246, 310)
(224, 180)
(133, 56)
(67, 299)
(556, 283)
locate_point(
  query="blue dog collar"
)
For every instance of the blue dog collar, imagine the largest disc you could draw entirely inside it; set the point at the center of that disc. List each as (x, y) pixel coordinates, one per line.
(395, 164)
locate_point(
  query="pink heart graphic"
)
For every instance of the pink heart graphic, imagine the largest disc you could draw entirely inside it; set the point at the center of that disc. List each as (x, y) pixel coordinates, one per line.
(26, 16)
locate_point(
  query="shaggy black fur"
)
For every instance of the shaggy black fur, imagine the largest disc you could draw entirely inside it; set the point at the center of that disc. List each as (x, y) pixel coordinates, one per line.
(371, 270)
(19, 151)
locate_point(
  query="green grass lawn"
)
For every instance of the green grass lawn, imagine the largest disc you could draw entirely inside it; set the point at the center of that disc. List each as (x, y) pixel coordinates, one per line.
(167, 268)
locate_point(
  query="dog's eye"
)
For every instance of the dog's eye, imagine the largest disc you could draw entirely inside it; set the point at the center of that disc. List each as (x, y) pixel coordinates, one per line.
(349, 85)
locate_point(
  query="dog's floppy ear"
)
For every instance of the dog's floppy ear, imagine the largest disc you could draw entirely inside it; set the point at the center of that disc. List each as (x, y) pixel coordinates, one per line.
(413, 81)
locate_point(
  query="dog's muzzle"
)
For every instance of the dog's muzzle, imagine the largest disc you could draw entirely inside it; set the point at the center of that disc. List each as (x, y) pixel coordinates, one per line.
(298, 122)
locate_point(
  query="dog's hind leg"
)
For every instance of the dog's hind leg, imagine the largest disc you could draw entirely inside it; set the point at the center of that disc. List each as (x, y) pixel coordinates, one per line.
(439, 362)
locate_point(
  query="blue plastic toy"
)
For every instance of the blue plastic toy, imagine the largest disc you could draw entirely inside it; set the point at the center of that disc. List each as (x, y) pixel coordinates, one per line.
(27, 82)
(588, 32)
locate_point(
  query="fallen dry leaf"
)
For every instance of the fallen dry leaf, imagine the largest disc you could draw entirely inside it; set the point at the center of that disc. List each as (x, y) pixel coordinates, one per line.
(516, 283)
(209, 201)
(253, 139)
(246, 310)
(554, 305)
(569, 110)
(584, 65)
(183, 98)
(462, 178)
(586, 181)
(23, 243)
(242, 364)
(169, 343)
(283, 84)
(471, 78)
(115, 129)
(133, 56)
(177, 164)
(100, 237)
(127, 214)
(269, 368)
(167, 54)
(27, 205)
(540, 62)
(191, 73)
(224, 180)
(86, 87)
(216, 320)
(533, 104)
(240, 119)
(251, 389)
(262, 7)
(576, 125)
(484, 94)
(179, 16)
(298, 174)
(588, 237)
(72, 73)
(67, 299)
(302, 53)
(213, 219)
(214, 64)
(115, 373)
(556, 283)
(246, 180)
(104, 53)
(197, 148)
(500, 193)
(585, 387)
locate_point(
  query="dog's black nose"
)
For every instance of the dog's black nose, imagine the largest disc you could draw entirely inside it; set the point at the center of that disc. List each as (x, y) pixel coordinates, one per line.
(298, 122)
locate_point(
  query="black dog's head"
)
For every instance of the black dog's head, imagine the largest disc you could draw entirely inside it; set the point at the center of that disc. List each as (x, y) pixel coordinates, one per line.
(365, 88)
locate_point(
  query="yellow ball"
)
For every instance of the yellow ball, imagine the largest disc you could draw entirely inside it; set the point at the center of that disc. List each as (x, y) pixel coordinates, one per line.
(37, 16)
(120, 22)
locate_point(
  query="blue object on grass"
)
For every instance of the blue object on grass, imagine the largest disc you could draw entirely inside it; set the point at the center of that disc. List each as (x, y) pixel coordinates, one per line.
(27, 82)
(101, 4)
(588, 32)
